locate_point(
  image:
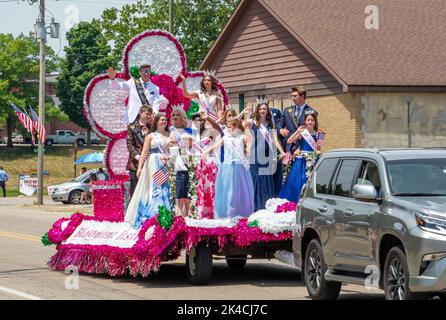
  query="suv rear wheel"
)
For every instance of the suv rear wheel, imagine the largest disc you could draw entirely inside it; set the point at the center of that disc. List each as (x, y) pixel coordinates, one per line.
(396, 277)
(314, 273)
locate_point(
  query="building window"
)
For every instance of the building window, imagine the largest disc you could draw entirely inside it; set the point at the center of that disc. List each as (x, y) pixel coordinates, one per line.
(241, 102)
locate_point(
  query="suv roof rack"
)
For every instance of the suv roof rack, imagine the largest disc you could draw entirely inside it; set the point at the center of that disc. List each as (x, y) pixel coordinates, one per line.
(379, 150)
(369, 150)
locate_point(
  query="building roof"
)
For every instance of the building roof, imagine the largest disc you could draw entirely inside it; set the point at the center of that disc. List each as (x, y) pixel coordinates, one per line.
(408, 49)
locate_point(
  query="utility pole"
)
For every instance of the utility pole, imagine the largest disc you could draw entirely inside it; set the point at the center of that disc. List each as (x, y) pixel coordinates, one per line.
(41, 22)
(41, 32)
(171, 14)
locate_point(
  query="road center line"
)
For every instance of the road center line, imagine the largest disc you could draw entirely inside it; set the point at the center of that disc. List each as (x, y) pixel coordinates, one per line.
(19, 236)
(19, 293)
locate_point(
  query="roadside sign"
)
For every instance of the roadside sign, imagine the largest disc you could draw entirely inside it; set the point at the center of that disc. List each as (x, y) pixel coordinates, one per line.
(27, 185)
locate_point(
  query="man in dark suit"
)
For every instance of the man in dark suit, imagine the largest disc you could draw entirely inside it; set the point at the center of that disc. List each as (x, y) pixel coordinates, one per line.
(136, 133)
(293, 117)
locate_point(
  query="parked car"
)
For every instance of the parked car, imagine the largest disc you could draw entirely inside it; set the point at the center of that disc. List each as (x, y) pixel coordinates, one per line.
(69, 137)
(16, 138)
(376, 218)
(70, 192)
(94, 139)
(64, 137)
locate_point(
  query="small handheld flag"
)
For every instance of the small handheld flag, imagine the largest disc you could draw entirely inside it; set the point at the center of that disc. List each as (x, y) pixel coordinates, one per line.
(161, 176)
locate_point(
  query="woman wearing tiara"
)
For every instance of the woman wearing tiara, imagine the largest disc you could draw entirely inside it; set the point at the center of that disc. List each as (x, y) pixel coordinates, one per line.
(152, 189)
(234, 191)
(309, 141)
(263, 154)
(209, 98)
(206, 169)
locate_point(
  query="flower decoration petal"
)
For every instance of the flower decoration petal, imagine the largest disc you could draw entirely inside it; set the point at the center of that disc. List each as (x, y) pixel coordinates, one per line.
(158, 48)
(104, 108)
(116, 159)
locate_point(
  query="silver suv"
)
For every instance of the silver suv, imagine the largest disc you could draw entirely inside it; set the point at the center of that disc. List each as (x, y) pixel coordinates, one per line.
(374, 217)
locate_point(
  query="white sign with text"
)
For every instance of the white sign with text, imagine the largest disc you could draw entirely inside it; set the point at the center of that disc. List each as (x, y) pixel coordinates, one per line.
(115, 234)
(27, 185)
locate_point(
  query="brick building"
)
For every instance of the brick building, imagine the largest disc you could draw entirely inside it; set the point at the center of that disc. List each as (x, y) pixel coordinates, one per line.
(51, 127)
(382, 86)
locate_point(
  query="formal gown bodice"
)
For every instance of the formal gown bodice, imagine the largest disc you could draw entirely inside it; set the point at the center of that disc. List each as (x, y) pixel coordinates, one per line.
(158, 143)
(261, 147)
(208, 102)
(305, 146)
(234, 148)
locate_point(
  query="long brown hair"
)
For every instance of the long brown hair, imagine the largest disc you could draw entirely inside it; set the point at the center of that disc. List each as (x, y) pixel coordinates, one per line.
(157, 119)
(316, 122)
(269, 115)
(214, 83)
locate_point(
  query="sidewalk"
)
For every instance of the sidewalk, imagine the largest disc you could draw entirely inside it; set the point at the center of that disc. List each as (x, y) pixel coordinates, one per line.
(48, 205)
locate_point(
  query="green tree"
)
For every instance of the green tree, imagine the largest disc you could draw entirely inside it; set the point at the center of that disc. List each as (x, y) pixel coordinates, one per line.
(87, 55)
(19, 71)
(54, 113)
(197, 24)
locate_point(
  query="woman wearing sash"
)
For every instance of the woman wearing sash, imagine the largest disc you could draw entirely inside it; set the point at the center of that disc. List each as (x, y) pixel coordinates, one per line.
(234, 191)
(306, 137)
(209, 98)
(206, 169)
(263, 155)
(152, 189)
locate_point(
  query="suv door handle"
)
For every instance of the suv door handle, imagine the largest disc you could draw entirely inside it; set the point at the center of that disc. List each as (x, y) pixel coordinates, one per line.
(322, 209)
(348, 212)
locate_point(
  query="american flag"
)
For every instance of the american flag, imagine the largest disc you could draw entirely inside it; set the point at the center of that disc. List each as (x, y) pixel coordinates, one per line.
(161, 176)
(38, 125)
(24, 119)
(320, 138)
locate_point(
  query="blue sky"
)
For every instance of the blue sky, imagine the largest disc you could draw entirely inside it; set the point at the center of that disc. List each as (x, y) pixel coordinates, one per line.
(17, 16)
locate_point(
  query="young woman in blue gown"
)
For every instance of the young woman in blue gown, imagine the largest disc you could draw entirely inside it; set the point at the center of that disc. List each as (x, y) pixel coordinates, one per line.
(306, 137)
(234, 191)
(263, 155)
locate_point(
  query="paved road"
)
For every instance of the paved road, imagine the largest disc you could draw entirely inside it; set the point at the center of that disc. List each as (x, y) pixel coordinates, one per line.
(24, 274)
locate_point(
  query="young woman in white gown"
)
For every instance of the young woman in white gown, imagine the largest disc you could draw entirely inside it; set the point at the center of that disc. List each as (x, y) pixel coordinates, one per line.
(150, 193)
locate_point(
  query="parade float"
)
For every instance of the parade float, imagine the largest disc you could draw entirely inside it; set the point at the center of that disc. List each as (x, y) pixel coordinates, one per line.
(107, 244)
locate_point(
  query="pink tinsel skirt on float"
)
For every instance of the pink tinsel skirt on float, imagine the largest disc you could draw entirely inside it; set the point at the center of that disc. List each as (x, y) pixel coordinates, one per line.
(206, 173)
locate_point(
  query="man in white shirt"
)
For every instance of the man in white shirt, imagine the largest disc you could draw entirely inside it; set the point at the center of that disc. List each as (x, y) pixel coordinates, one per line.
(3, 178)
(141, 92)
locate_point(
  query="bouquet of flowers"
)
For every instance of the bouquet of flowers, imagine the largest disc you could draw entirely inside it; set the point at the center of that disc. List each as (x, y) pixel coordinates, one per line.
(310, 159)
